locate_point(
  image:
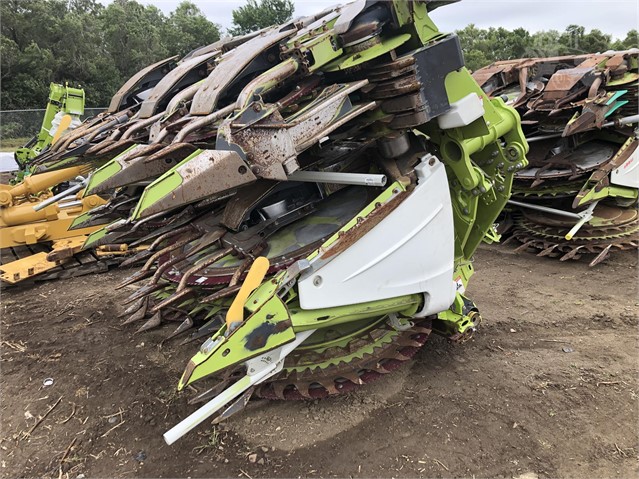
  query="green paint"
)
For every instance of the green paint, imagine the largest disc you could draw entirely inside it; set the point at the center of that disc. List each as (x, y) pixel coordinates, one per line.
(80, 219)
(105, 172)
(94, 237)
(162, 187)
(354, 59)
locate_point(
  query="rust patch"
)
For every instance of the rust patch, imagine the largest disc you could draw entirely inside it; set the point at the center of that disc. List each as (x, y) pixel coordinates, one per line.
(348, 238)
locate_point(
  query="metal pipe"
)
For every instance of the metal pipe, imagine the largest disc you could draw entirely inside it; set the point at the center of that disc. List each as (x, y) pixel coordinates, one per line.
(70, 204)
(77, 133)
(546, 209)
(200, 122)
(119, 120)
(185, 95)
(585, 217)
(141, 124)
(360, 179)
(266, 81)
(543, 137)
(623, 121)
(63, 194)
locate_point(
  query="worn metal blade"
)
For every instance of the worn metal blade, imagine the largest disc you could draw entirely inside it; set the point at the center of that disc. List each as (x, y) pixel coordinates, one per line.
(208, 329)
(238, 405)
(154, 322)
(210, 393)
(143, 291)
(571, 254)
(141, 256)
(524, 246)
(184, 326)
(601, 256)
(135, 277)
(132, 309)
(140, 313)
(172, 299)
(548, 250)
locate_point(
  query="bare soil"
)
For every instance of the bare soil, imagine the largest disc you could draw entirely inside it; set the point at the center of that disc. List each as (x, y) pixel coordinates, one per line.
(548, 386)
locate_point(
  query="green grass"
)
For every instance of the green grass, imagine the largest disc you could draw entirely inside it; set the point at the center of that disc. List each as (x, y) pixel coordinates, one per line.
(11, 144)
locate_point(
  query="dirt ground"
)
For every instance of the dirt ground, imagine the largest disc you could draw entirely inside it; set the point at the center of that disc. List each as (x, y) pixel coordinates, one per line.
(547, 387)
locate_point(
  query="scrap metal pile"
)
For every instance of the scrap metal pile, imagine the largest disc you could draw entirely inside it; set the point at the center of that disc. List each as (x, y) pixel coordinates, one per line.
(579, 194)
(307, 197)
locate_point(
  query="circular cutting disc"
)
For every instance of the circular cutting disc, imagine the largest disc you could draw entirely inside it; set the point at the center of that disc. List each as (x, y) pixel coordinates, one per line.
(286, 245)
(585, 158)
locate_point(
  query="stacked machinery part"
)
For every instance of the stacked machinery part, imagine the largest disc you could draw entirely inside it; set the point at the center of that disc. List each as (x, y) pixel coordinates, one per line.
(36, 236)
(578, 195)
(316, 190)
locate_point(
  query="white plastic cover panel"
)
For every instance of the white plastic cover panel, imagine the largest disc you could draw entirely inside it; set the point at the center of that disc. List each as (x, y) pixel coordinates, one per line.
(628, 173)
(410, 251)
(462, 113)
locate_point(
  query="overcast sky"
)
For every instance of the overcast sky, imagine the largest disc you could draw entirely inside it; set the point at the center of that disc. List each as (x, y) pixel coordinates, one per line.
(611, 16)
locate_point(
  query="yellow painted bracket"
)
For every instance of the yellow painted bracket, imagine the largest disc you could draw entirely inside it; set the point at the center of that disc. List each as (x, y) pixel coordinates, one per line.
(254, 278)
(38, 263)
(65, 123)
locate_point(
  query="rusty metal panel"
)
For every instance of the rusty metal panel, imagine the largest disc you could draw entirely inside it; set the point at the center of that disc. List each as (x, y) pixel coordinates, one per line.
(169, 82)
(229, 67)
(135, 80)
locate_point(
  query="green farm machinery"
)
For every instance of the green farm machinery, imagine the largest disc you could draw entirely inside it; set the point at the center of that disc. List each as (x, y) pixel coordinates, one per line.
(309, 198)
(578, 195)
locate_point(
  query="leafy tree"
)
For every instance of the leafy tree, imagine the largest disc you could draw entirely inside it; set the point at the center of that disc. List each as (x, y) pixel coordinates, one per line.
(133, 33)
(546, 44)
(99, 47)
(257, 15)
(187, 28)
(27, 62)
(485, 46)
(631, 41)
(576, 40)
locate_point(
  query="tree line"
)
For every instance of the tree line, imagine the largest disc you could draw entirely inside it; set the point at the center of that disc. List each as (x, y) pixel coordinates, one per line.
(98, 47)
(484, 46)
